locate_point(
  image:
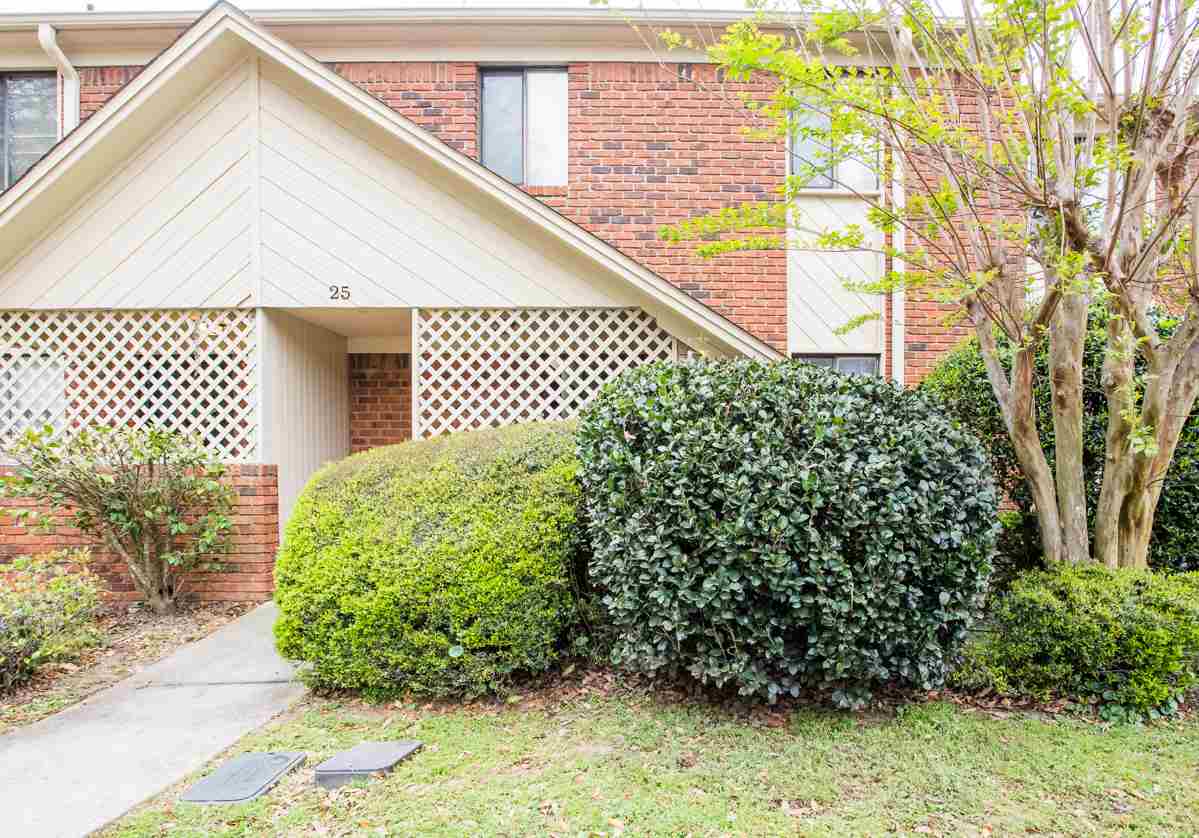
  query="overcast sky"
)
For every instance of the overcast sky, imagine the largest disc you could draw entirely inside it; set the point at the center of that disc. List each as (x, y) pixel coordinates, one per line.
(28, 6)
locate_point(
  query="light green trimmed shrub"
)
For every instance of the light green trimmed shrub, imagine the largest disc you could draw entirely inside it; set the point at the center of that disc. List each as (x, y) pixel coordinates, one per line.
(441, 567)
(1128, 639)
(48, 605)
(774, 527)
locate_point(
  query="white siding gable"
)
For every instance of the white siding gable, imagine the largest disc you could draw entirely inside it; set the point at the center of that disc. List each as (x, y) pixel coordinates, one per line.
(171, 227)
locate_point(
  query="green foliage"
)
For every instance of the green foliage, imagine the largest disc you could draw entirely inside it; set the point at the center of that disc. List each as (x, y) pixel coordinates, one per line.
(772, 527)
(960, 382)
(1128, 639)
(47, 608)
(440, 567)
(152, 496)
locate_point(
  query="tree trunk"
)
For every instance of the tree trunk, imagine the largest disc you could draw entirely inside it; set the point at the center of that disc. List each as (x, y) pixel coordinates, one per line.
(1117, 377)
(151, 576)
(161, 603)
(1066, 344)
(1027, 442)
(1019, 410)
(1136, 525)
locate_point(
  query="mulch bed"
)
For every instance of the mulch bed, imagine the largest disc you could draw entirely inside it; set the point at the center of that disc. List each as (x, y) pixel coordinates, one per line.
(134, 637)
(582, 682)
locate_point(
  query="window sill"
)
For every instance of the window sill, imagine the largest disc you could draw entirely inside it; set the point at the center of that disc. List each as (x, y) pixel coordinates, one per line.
(839, 193)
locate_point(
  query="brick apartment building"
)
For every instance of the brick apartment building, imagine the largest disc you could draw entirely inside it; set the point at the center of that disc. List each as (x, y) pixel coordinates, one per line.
(303, 234)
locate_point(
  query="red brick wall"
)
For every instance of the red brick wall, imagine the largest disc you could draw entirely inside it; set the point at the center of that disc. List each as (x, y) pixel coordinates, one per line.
(440, 97)
(380, 400)
(654, 144)
(931, 329)
(249, 573)
(98, 84)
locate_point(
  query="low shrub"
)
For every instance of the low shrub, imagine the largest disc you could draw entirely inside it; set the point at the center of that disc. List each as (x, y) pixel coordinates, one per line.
(48, 605)
(960, 383)
(152, 496)
(773, 527)
(441, 567)
(1126, 639)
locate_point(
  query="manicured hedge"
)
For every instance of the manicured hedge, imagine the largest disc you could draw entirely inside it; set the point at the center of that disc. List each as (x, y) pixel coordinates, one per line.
(772, 527)
(960, 383)
(440, 567)
(1127, 639)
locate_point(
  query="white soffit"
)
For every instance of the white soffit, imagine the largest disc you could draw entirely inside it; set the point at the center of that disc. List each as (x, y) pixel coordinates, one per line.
(219, 40)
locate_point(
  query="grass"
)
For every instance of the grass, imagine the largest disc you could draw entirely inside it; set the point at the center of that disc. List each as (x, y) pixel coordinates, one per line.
(590, 764)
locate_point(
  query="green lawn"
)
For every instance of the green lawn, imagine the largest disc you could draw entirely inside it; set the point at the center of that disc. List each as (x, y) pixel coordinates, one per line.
(594, 764)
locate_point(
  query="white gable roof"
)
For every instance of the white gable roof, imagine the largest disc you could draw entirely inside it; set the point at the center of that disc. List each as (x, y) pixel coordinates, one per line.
(57, 211)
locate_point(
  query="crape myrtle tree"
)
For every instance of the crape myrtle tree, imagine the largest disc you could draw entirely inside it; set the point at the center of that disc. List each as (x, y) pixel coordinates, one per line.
(1047, 151)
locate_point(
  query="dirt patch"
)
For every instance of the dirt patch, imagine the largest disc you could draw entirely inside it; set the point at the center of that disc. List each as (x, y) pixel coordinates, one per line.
(134, 637)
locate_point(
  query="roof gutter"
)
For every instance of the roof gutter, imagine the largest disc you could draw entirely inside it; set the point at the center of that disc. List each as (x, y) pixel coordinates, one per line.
(47, 36)
(427, 14)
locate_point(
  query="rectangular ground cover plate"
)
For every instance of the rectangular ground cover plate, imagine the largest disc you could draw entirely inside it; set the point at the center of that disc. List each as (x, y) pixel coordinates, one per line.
(244, 777)
(363, 760)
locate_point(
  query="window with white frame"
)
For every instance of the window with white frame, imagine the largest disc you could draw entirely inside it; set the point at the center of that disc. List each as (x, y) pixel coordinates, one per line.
(809, 154)
(523, 124)
(848, 364)
(32, 390)
(28, 122)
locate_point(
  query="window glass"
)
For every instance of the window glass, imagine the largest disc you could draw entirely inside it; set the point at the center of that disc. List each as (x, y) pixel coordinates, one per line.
(503, 118)
(848, 364)
(805, 151)
(28, 121)
(858, 364)
(854, 173)
(546, 139)
(851, 173)
(524, 119)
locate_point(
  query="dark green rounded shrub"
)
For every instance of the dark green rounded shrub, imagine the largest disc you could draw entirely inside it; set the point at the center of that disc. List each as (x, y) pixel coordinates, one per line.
(773, 527)
(1128, 639)
(960, 382)
(440, 567)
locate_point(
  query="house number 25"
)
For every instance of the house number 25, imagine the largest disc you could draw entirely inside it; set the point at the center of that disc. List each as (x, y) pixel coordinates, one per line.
(339, 292)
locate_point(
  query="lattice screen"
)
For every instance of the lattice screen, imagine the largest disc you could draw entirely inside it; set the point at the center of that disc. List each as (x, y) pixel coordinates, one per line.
(193, 371)
(487, 367)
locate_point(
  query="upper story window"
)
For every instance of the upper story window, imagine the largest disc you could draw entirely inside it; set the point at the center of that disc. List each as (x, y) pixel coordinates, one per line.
(807, 152)
(28, 121)
(523, 124)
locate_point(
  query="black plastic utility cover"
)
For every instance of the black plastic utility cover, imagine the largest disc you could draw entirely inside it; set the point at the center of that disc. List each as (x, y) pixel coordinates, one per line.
(244, 777)
(363, 760)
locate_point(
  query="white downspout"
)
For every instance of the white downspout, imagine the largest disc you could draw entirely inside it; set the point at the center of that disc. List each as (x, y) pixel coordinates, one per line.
(48, 38)
(898, 299)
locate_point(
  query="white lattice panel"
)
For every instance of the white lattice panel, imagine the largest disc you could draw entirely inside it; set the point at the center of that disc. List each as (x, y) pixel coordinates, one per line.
(192, 371)
(487, 367)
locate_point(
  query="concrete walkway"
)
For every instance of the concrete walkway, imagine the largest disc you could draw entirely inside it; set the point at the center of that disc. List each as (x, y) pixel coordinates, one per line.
(78, 770)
